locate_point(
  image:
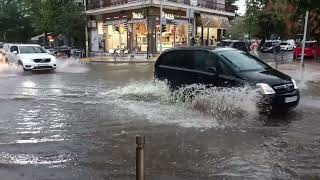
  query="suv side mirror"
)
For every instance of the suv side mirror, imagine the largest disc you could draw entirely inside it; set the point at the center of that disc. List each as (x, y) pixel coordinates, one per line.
(212, 70)
(15, 52)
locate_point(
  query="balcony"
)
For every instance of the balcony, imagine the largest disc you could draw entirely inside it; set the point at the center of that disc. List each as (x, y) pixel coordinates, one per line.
(208, 4)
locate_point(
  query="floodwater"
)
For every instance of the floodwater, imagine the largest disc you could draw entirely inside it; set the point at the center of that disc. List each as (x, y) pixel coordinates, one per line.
(81, 121)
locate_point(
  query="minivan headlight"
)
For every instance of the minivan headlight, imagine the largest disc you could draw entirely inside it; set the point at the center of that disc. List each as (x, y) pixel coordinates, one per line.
(294, 84)
(265, 88)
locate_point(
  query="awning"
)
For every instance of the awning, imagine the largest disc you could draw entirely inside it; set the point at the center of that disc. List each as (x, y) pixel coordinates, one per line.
(219, 22)
(36, 38)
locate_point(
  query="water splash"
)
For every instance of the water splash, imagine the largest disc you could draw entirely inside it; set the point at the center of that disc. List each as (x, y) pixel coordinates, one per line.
(9, 69)
(71, 65)
(155, 100)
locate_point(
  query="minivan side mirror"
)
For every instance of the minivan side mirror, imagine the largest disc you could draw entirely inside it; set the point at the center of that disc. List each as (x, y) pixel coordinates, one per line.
(15, 52)
(212, 70)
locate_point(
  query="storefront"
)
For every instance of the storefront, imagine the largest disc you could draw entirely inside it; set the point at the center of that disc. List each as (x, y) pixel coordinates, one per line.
(139, 30)
(210, 29)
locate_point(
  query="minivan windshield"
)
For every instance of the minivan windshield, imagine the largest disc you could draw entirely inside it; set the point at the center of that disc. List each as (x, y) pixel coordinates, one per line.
(243, 61)
(31, 49)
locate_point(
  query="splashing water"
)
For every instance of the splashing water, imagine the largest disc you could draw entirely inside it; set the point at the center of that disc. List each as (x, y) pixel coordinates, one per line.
(224, 106)
(9, 69)
(71, 65)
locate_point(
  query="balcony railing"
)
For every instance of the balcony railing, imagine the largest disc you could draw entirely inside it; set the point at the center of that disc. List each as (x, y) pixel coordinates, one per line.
(209, 4)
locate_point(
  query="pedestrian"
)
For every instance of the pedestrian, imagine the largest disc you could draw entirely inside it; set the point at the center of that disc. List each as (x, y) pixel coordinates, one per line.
(192, 42)
(254, 48)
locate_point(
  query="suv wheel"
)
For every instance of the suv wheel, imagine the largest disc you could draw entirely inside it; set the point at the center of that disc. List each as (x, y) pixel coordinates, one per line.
(20, 64)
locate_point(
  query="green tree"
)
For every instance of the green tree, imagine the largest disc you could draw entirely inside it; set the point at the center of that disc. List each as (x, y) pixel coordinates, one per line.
(254, 9)
(57, 17)
(14, 22)
(238, 28)
(270, 24)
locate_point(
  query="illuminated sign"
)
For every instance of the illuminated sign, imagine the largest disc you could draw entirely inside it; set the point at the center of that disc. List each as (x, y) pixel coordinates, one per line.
(137, 15)
(167, 15)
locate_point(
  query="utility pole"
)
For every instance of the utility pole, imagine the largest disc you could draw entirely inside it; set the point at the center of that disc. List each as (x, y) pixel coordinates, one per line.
(304, 37)
(160, 37)
(86, 29)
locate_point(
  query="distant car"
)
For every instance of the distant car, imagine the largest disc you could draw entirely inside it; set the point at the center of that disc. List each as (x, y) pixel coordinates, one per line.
(62, 51)
(49, 49)
(237, 44)
(287, 46)
(227, 67)
(312, 49)
(29, 56)
(270, 47)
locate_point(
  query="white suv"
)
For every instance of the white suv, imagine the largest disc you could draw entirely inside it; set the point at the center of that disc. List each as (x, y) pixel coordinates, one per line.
(29, 56)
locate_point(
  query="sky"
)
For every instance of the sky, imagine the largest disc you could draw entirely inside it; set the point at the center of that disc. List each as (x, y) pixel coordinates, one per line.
(242, 6)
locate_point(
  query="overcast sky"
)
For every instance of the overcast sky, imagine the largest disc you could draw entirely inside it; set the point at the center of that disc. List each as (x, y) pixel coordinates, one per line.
(242, 6)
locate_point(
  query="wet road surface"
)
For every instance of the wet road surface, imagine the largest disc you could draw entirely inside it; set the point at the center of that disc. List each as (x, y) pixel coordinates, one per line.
(81, 123)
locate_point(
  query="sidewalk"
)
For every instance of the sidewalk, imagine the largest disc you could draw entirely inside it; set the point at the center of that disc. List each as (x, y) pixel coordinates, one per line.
(137, 58)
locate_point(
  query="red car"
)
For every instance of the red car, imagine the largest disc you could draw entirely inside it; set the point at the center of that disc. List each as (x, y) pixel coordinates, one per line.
(311, 50)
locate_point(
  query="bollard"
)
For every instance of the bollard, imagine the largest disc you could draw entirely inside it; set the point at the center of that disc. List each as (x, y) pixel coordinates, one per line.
(275, 59)
(282, 51)
(140, 141)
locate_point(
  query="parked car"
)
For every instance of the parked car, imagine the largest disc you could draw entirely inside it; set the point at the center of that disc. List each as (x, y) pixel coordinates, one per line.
(62, 51)
(287, 45)
(29, 56)
(49, 49)
(237, 44)
(312, 49)
(271, 47)
(227, 67)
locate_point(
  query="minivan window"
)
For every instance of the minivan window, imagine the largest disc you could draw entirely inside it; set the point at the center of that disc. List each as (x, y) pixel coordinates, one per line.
(180, 58)
(244, 61)
(202, 60)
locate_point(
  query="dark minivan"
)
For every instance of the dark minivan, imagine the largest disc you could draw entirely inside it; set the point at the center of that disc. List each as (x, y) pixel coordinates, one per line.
(227, 67)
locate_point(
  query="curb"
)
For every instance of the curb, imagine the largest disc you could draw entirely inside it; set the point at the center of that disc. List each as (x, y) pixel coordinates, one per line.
(118, 62)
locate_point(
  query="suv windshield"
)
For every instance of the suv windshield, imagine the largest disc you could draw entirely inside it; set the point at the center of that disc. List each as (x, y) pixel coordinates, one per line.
(243, 61)
(267, 44)
(284, 43)
(31, 49)
(225, 43)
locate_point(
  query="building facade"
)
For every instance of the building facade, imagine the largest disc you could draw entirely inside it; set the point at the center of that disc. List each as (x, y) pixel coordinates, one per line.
(135, 24)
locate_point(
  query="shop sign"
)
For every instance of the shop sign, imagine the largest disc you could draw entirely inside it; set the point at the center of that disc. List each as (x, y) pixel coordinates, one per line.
(167, 15)
(137, 15)
(193, 2)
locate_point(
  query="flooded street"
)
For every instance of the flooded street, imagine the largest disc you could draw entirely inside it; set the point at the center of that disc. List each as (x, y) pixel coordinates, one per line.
(81, 121)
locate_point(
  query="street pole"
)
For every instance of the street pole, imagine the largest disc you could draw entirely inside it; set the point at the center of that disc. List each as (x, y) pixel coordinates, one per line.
(160, 37)
(188, 35)
(304, 37)
(86, 30)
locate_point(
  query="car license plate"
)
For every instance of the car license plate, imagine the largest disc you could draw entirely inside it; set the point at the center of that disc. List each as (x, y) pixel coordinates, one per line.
(290, 99)
(43, 64)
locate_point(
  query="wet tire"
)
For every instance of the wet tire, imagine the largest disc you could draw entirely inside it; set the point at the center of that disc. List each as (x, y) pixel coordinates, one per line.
(20, 64)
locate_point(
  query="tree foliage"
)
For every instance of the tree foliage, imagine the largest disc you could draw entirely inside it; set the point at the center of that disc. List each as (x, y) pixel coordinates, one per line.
(14, 22)
(57, 17)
